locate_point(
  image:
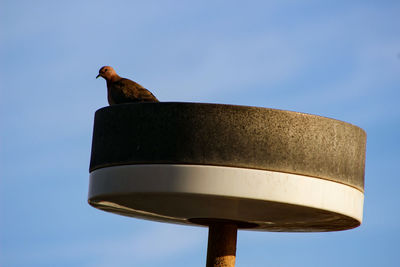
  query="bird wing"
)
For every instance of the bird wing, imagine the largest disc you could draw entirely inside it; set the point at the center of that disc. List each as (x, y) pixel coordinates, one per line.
(126, 90)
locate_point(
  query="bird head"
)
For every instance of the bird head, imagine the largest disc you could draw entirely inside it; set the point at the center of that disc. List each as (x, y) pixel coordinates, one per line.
(106, 72)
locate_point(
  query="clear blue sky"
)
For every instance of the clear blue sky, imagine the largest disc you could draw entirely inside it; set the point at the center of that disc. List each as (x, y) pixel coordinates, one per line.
(339, 59)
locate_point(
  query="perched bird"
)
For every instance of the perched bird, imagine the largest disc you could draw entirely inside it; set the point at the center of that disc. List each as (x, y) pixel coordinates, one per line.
(121, 90)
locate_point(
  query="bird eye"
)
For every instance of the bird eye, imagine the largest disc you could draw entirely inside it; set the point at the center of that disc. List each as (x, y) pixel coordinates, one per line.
(105, 70)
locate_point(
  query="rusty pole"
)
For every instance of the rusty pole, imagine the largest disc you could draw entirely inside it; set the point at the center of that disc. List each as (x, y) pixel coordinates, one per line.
(221, 251)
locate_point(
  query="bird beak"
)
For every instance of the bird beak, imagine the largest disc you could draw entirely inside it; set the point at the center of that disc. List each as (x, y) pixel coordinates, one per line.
(97, 76)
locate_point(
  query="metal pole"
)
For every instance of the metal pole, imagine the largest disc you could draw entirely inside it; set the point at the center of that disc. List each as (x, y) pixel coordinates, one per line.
(221, 251)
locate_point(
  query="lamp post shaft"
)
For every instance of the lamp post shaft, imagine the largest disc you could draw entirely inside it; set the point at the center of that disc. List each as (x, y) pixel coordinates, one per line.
(221, 251)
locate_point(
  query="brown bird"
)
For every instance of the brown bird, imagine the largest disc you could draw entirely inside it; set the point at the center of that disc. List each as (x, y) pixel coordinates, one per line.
(121, 90)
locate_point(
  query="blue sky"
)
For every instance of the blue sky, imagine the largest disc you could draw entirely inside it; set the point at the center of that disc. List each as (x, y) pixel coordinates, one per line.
(339, 59)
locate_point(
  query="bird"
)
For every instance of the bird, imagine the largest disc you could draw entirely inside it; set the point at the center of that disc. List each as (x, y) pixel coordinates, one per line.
(121, 90)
